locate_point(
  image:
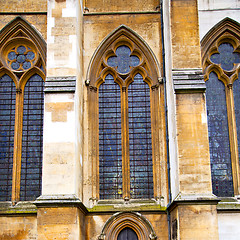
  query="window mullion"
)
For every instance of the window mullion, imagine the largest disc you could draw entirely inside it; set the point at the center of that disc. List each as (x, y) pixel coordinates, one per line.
(233, 139)
(17, 154)
(125, 146)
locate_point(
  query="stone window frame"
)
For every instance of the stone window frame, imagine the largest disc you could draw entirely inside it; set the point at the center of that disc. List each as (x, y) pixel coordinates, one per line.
(151, 73)
(134, 220)
(18, 32)
(226, 31)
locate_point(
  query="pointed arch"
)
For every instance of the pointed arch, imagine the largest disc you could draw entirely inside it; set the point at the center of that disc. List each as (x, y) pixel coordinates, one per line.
(19, 27)
(132, 73)
(123, 35)
(22, 58)
(221, 61)
(227, 28)
(134, 220)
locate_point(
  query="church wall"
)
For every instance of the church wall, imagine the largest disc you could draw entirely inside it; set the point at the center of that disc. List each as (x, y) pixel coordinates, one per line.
(21, 227)
(118, 6)
(95, 223)
(228, 225)
(96, 28)
(211, 12)
(194, 167)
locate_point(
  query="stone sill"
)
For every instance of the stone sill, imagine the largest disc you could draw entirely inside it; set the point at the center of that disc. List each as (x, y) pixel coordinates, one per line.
(131, 205)
(6, 208)
(228, 205)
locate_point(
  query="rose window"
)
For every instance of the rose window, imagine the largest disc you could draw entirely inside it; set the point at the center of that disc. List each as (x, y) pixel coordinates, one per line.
(21, 58)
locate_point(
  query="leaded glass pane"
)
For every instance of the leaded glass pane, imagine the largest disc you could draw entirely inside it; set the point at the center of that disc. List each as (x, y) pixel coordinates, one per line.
(226, 57)
(220, 156)
(236, 93)
(123, 61)
(31, 169)
(110, 147)
(140, 145)
(7, 122)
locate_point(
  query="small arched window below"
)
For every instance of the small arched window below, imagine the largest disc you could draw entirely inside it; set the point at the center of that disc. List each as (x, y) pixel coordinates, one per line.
(127, 234)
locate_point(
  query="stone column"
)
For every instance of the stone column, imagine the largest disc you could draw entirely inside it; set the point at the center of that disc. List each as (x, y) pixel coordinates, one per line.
(60, 212)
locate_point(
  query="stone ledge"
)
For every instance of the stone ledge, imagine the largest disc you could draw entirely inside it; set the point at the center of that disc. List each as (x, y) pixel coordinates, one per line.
(45, 201)
(60, 84)
(188, 80)
(6, 208)
(130, 205)
(228, 205)
(193, 199)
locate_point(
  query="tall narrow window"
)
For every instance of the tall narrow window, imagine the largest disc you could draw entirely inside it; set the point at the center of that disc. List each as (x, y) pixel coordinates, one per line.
(236, 94)
(21, 112)
(7, 123)
(221, 58)
(140, 139)
(127, 149)
(220, 155)
(110, 140)
(31, 173)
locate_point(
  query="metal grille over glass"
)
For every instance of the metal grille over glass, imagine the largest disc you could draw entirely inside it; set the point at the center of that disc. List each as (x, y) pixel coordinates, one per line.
(140, 143)
(110, 147)
(32, 139)
(220, 156)
(7, 117)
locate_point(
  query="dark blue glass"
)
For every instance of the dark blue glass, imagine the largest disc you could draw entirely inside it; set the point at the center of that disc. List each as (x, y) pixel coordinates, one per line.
(110, 145)
(123, 61)
(226, 57)
(32, 140)
(7, 122)
(140, 144)
(220, 156)
(12, 56)
(15, 65)
(21, 58)
(236, 94)
(21, 50)
(26, 65)
(30, 55)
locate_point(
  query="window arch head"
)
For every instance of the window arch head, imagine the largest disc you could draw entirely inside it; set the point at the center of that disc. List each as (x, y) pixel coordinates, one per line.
(122, 222)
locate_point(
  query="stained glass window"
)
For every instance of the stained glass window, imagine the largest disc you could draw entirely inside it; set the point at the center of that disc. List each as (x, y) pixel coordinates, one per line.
(123, 61)
(236, 94)
(140, 141)
(226, 57)
(125, 142)
(110, 146)
(220, 155)
(7, 122)
(32, 139)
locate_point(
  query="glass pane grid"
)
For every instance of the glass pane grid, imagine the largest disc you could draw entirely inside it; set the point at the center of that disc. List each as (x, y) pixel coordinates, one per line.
(236, 94)
(31, 172)
(220, 155)
(7, 122)
(140, 144)
(110, 148)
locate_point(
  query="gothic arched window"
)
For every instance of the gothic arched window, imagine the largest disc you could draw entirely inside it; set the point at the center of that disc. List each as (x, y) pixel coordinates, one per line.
(221, 61)
(21, 111)
(126, 114)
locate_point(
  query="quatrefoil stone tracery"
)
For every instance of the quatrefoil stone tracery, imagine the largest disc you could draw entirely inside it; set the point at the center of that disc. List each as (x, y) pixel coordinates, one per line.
(123, 61)
(226, 57)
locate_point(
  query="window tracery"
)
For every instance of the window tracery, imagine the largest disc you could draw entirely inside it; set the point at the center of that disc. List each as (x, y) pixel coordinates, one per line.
(22, 65)
(124, 87)
(221, 62)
